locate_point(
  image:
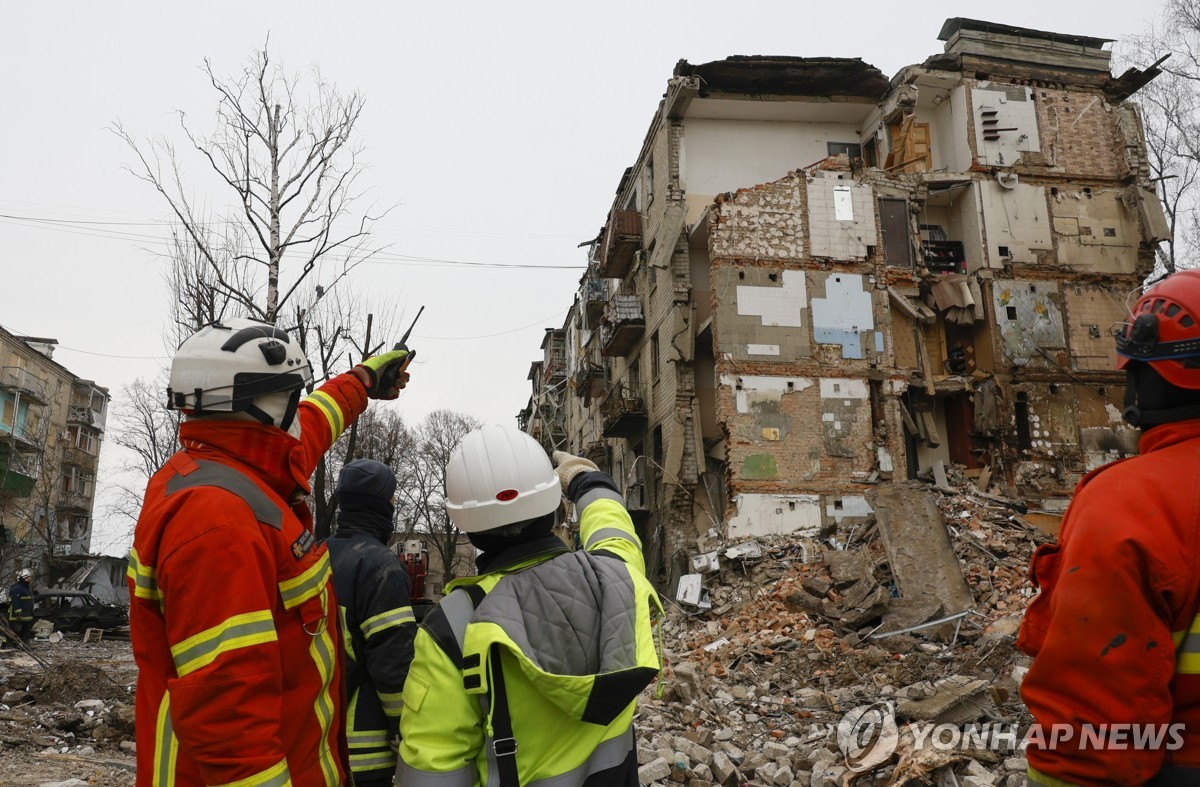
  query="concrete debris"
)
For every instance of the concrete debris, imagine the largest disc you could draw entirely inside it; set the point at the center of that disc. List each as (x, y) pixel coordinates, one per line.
(748, 550)
(955, 700)
(70, 724)
(757, 684)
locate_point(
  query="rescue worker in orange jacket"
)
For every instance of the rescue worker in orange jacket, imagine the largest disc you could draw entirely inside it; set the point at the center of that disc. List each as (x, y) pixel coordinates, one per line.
(234, 622)
(1115, 632)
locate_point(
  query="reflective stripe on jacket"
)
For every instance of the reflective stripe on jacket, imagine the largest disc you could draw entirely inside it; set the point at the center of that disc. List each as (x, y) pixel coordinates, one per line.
(233, 616)
(575, 642)
(20, 602)
(378, 627)
(1114, 630)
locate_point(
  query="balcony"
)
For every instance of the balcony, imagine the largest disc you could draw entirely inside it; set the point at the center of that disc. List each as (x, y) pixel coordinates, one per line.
(77, 457)
(624, 324)
(18, 476)
(637, 494)
(595, 299)
(597, 451)
(588, 380)
(78, 414)
(554, 356)
(944, 256)
(623, 412)
(22, 439)
(74, 501)
(622, 239)
(31, 388)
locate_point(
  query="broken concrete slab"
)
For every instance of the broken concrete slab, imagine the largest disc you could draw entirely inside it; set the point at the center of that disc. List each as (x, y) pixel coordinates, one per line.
(904, 613)
(847, 566)
(868, 610)
(919, 549)
(956, 700)
(818, 585)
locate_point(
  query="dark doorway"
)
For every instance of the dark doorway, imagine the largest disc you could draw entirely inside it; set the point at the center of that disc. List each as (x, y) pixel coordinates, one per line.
(960, 423)
(893, 222)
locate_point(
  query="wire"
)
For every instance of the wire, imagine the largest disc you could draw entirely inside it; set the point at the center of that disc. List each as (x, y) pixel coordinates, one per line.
(108, 355)
(429, 338)
(96, 229)
(490, 335)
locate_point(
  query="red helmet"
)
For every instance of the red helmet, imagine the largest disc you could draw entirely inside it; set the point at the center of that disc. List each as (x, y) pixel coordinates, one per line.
(1164, 330)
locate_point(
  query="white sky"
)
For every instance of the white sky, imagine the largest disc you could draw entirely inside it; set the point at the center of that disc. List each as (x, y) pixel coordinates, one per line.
(501, 129)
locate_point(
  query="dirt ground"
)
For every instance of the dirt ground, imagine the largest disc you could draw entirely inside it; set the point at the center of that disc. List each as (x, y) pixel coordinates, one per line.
(47, 735)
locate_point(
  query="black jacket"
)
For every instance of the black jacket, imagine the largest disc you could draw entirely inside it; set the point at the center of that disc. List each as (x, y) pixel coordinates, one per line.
(20, 602)
(372, 591)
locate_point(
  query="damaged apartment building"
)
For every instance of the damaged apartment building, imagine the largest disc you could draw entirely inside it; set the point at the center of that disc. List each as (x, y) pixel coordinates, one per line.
(815, 280)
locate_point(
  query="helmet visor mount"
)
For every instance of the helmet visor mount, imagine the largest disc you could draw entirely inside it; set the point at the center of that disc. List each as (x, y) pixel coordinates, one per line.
(240, 366)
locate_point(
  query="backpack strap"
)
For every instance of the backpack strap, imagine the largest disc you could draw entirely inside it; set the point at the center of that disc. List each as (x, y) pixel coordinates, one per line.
(504, 745)
(447, 622)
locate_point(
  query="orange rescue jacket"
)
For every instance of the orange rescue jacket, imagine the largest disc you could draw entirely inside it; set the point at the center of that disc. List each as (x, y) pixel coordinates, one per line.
(1114, 630)
(234, 623)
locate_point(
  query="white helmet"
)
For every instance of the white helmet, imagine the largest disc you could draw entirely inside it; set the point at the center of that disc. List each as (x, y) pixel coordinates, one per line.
(498, 476)
(24, 574)
(239, 366)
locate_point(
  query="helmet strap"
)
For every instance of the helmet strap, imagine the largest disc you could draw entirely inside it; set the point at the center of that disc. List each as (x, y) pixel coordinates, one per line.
(259, 415)
(290, 413)
(1151, 401)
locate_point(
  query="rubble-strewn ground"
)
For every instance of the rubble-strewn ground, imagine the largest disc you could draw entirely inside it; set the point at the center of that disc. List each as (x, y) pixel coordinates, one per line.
(792, 637)
(73, 721)
(796, 638)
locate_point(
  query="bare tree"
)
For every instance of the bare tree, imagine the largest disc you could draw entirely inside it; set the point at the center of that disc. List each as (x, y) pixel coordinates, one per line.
(282, 151)
(282, 147)
(423, 496)
(1170, 109)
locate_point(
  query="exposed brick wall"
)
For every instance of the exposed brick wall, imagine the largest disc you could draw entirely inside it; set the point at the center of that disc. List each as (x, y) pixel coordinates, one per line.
(1080, 134)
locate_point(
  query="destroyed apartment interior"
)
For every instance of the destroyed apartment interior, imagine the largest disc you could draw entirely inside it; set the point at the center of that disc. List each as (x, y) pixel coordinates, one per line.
(817, 284)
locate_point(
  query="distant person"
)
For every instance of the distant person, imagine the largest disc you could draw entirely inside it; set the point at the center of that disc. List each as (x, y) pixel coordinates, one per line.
(372, 591)
(20, 606)
(233, 617)
(529, 672)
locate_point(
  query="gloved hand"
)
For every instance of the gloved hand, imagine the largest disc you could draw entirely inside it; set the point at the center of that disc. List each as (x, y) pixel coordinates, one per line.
(567, 466)
(383, 375)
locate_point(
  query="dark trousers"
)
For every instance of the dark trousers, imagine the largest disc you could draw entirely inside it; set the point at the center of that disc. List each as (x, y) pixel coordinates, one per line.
(22, 628)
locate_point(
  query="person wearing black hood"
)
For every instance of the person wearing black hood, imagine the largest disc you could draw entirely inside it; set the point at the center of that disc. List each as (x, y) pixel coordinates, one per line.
(379, 626)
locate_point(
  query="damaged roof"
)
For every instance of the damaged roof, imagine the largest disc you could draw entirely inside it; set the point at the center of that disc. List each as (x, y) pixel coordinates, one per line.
(958, 23)
(821, 77)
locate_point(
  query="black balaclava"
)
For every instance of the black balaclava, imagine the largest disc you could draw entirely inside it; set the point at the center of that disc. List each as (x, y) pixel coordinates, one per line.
(1150, 400)
(364, 499)
(495, 543)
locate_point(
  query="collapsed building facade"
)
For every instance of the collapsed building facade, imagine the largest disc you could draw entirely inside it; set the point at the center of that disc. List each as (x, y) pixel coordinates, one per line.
(815, 281)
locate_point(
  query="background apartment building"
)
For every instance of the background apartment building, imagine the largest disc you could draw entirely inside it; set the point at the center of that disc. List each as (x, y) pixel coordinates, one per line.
(815, 280)
(51, 429)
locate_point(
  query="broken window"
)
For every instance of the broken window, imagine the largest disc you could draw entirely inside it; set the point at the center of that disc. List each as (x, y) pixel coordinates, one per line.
(654, 358)
(650, 180)
(1024, 438)
(871, 153)
(852, 150)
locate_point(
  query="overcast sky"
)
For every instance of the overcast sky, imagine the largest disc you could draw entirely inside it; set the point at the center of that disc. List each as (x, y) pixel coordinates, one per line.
(500, 130)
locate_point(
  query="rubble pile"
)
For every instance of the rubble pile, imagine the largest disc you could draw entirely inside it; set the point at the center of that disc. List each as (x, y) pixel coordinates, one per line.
(783, 643)
(73, 718)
